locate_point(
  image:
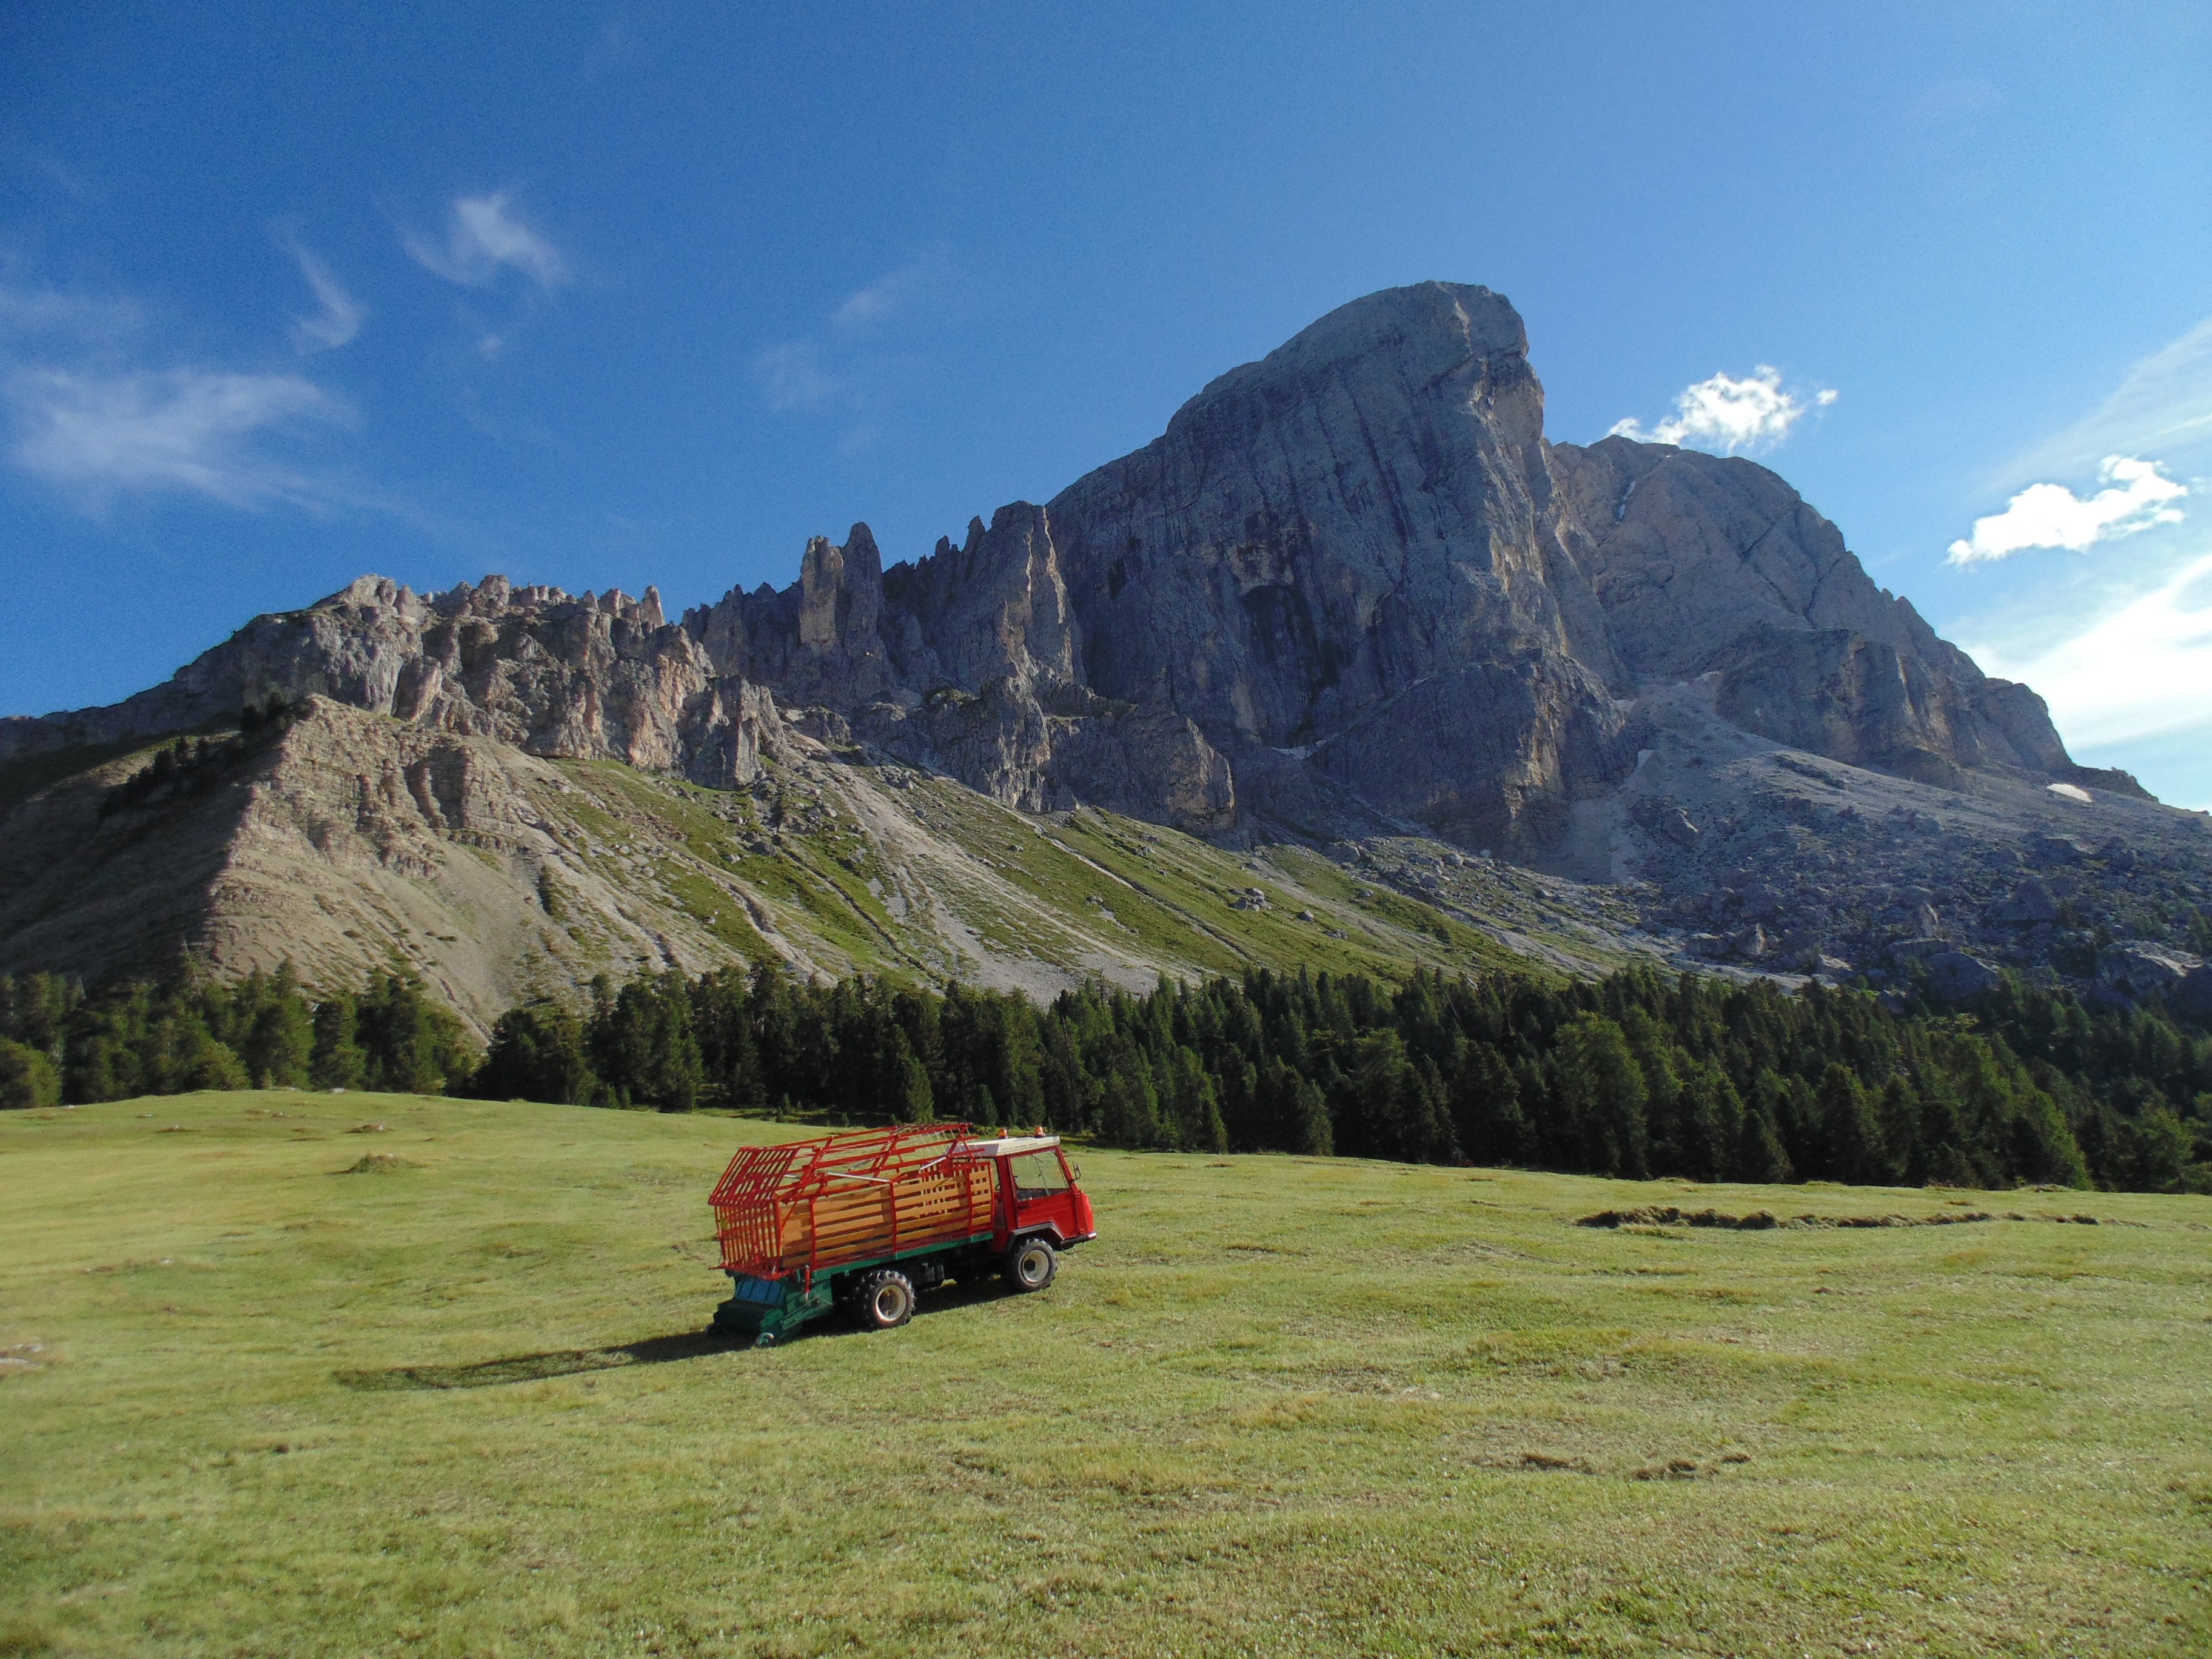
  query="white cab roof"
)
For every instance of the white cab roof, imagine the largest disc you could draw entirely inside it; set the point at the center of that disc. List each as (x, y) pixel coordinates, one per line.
(1009, 1147)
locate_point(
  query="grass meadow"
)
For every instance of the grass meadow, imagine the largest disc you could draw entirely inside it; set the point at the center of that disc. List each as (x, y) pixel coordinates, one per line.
(253, 1402)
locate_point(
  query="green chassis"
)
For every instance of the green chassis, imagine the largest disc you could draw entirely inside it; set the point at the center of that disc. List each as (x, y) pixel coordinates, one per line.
(769, 1310)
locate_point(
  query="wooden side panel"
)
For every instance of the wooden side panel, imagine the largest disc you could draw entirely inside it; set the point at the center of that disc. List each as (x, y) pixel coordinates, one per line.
(844, 1221)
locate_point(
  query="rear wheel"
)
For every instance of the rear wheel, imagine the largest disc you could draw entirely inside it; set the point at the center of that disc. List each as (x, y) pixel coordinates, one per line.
(882, 1301)
(1031, 1265)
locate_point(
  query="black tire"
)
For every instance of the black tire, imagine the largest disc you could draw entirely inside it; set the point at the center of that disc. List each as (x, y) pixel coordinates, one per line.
(882, 1301)
(1031, 1265)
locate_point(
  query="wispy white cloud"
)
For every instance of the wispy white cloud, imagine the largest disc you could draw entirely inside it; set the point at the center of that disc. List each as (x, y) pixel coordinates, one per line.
(190, 430)
(341, 316)
(86, 413)
(882, 300)
(2141, 670)
(483, 234)
(2136, 496)
(2163, 406)
(792, 376)
(845, 365)
(48, 313)
(1726, 414)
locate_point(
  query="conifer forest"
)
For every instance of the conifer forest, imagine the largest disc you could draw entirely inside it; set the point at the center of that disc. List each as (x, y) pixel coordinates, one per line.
(1637, 1074)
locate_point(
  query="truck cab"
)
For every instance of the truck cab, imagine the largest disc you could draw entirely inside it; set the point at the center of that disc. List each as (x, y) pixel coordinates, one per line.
(1037, 1194)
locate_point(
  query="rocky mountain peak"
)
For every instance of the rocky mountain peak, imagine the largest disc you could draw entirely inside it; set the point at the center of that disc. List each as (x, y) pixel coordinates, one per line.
(1350, 598)
(1440, 341)
(1351, 582)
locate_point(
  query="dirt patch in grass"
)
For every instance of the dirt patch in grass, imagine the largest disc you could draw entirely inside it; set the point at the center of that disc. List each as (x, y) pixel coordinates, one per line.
(1666, 1215)
(1664, 1468)
(1536, 1460)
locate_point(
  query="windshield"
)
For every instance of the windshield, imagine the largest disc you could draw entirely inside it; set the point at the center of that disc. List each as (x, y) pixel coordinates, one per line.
(1038, 1174)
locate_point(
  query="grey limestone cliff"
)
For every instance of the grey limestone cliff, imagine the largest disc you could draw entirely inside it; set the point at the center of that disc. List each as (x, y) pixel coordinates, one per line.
(1351, 551)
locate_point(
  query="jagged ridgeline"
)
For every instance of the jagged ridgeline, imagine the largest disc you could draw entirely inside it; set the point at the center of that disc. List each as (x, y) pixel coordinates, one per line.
(1350, 625)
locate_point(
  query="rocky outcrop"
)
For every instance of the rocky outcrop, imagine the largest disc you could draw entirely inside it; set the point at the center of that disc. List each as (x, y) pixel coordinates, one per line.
(994, 608)
(350, 843)
(1359, 577)
(598, 677)
(1351, 597)
(819, 640)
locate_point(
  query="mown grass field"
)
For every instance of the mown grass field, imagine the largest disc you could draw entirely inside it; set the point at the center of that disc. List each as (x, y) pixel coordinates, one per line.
(253, 1405)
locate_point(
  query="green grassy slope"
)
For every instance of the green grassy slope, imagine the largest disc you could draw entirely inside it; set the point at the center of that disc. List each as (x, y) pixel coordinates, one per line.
(256, 1406)
(1082, 890)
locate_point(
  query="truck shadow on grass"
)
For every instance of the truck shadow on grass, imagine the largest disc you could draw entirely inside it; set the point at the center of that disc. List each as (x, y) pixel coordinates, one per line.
(651, 1351)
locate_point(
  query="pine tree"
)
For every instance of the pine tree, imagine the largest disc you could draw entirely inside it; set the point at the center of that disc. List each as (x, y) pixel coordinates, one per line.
(537, 1052)
(27, 1078)
(1129, 1105)
(1309, 1130)
(336, 1060)
(1486, 1108)
(277, 1045)
(1194, 1110)
(1758, 1155)
(1850, 1130)
(1711, 1117)
(1601, 1096)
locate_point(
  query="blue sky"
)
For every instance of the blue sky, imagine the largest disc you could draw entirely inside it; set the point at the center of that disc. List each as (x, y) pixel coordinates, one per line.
(606, 295)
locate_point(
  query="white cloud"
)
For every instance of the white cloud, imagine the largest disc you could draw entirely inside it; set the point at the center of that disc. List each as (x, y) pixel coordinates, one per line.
(792, 376)
(341, 316)
(847, 364)
(2141, 670)
(2121, 648)
(189, 430)
(869, 308)
(2136, 497)
(1726, 414)
(482, 234)
(83, 412)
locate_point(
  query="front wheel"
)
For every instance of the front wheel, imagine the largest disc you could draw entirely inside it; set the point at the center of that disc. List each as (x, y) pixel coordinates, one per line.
(884, 1301)
(1031, 1265)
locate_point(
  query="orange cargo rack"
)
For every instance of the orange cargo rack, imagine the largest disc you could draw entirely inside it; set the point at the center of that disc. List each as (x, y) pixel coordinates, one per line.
(871, 1194)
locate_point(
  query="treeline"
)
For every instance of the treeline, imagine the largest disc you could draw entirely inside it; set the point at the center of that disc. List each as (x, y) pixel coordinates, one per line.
(1640, 1074)
(264, 1032)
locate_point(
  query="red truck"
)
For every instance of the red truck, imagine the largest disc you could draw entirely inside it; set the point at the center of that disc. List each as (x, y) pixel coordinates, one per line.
(862, 1221)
